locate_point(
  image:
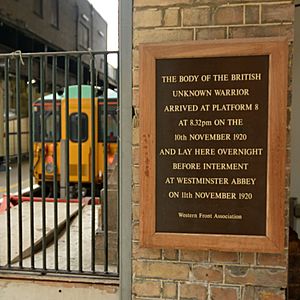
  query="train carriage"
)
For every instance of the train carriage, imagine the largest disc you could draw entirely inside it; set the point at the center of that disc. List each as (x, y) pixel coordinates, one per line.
(45, 113)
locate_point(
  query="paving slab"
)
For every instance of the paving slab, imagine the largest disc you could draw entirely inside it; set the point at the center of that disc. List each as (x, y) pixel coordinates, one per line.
(74, 246)
(26, 227)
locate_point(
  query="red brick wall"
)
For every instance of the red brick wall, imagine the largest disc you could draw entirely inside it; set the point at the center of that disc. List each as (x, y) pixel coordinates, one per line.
(182, 274)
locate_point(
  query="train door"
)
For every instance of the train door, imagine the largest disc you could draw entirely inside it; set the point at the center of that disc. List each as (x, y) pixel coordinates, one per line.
(86, 138)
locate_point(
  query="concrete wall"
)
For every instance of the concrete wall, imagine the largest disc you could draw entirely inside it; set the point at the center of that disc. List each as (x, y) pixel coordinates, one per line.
(48, 290)
(182, 274)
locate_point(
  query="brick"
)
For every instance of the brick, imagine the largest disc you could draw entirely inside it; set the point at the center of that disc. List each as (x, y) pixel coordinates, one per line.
(136, 193)
(136, 175)
(248, 293)
(172, 17)
(143, 298)
(172, 3)
(193, 291)
(251, 14)
(196, 16)
(147, 288)
(135, 117)
(135, 77)
(194, 256)
(169, 290)
(277, 13)
(255, 276)
(228, 15)
(208, 273)
(226, 2)
(268, 295)
(170, 254)
(272, 259)
(135, 58)
(135, 213)
(147, 18)
(224, 293)
(135, 232)
(162, 270)
(259, 293)
(161, 35)
(224, 257)
(135, 136)
(145, 253)
(154, 3)
(211, 33)
(135, 97)
(135, 155)
(247, 258)
(261, 31)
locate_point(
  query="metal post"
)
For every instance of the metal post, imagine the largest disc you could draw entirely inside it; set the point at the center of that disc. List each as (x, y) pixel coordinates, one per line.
(125, 30)
(119, 143)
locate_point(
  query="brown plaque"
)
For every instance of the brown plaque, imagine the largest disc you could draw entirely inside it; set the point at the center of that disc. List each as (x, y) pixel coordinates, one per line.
(213, 144)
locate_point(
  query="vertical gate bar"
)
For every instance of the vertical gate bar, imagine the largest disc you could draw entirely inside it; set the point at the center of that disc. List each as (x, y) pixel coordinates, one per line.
(67, 67)
(118, 144)
(93, 161)
(42, 88)
(79, 164)
(19, 158)
(54, 67)
(7, 162)
(105, 179)
(30, 114)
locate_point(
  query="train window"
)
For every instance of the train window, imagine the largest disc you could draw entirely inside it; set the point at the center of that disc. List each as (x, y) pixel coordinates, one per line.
(112, 123)
(74, 127)
(48, 123)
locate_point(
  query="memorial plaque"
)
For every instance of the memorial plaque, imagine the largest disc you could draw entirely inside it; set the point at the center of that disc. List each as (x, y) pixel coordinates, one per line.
(213, 145)
(212, 161)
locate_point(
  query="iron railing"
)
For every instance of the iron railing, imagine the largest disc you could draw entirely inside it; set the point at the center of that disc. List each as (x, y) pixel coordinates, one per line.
(51, 223)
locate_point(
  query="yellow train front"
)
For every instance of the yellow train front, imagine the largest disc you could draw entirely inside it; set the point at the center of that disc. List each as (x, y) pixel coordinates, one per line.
(44, 117)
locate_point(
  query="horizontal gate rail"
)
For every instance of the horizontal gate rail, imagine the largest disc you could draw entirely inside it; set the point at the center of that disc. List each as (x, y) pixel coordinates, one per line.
(56, 53)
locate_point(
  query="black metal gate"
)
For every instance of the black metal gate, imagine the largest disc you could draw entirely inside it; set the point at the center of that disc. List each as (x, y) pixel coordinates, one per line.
(59, 179)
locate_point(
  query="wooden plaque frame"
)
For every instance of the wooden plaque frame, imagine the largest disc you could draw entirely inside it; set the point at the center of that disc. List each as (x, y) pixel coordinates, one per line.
(277, 50)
